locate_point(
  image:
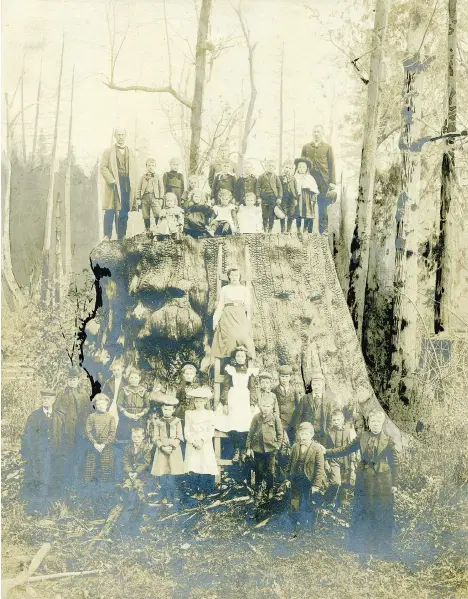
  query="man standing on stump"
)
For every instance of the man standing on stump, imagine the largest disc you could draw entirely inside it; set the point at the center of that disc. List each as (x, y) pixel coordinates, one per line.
(118, 168)
(320, 155)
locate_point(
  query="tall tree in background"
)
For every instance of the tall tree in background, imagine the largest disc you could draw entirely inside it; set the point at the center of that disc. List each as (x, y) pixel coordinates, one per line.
(281, 115)
(23, 131)
(67, 207)
(405, 354)
(45, 286)
(359, 261)
(36, 118)
(56, 298)
(195, 104)
(445, 246)
(249, 122)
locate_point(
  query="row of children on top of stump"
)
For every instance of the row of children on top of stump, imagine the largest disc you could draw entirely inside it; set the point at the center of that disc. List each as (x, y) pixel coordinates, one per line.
(376, 478)
(244, 204)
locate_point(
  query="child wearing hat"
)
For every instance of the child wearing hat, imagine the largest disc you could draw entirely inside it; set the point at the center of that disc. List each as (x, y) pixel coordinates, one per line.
(236, 408)
(288, 399)
(150, 194)
(307, 192)
(305, 473)
(167, 436)
(42, 452)
(290, 195)
(340, 471)
(200, 459)
(133, 405)
(263, 393)
(263, 441)
(100, 433)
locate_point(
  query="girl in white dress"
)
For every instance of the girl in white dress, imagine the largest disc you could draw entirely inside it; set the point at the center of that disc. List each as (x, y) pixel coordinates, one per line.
(200, 459)
(249, 217)
(236, 410)
(232, 318)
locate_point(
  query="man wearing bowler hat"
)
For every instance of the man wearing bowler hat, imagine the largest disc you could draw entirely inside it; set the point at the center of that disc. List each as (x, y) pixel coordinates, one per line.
(321, 156)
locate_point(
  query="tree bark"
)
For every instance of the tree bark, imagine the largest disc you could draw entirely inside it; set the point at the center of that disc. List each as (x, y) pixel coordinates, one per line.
(36, 119)
(7, 266)
(404, 354)
(199, 88)
(281, 126)
(359, 261)
(58, 253)
(444, 276)
(45, 288)
(67, 204)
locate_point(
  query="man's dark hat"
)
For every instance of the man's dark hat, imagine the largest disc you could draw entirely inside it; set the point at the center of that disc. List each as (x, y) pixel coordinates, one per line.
(285, 369)
(74, 371)
(303, 159)
(48, 393)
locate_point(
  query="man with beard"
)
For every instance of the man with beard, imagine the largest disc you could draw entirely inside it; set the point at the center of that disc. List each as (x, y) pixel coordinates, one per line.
(315, 408)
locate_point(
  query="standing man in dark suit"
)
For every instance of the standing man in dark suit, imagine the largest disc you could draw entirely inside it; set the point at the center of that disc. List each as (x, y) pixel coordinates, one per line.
(118, 169)
(315, 408)
(320, 155)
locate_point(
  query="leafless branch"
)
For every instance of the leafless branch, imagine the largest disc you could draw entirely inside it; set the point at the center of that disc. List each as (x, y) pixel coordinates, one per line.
(144, 88)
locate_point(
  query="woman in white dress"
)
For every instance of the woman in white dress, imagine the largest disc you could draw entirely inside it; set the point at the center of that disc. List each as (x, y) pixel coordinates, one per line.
(232, 318)
(235, 411)
(200, 459)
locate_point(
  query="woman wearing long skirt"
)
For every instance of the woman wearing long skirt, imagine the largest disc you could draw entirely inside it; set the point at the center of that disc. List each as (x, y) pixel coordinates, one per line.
(307, 191)
(372, 522)
(232, 318)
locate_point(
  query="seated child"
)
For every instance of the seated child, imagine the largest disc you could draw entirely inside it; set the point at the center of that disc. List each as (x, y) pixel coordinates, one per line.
(198, 216)
(307, 192)
(249, 215)
(263, 441)
(235, 410)
(305, 473)
(224, 180)
(150, 193)
(263, 393)
(171, 219)
(173, 181)
(340, 471)
(245, 184)
(200, 459)
(100, 432)
(168, 462)
(289, 199)
(225, 221)
(269, 192)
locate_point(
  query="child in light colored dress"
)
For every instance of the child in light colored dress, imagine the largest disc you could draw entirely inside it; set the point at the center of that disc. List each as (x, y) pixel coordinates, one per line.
(171, 219)
(249, 216)
(225, 220)
(200, 459)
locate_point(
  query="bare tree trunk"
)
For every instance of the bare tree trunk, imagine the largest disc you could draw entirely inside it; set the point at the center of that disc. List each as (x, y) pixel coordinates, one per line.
(249, 120)
(404, 358)
(444, 277)
(36, 119)
(200, 74)
(45, 288)
(23, 131)
(359, 261)
(67, 204)
(59, 286)
(7, 266)
(281, 125)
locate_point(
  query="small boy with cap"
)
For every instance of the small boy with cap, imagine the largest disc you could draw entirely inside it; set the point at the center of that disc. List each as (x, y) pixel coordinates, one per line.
(100, 433)
(264, 394)
(167, 436)
(263, 441)
(288, 400)
(340, 471)
(150, 193)
(289, 198)
(42, 451)
(305, 473)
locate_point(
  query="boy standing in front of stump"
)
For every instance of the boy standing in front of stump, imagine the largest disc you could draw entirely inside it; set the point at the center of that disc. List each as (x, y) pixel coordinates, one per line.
(269, 192)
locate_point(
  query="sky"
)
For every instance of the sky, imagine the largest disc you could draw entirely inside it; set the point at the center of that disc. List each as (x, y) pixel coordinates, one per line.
(318, 83)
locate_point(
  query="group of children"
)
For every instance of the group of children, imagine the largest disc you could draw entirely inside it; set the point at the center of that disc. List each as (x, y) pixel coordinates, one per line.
(229, 204)
(132, 436)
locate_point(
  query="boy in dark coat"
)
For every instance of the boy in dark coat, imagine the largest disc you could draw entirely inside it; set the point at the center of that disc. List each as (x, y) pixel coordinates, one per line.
(340, 471)
(288, 400)
(305, 473)
(245, 184)
(223, 180)
(372, 522)
(217, 166)
(42, 449)
(173, 181)
(263, 441)
(269, 192)
(75, 405)
(315, 408)
(290, 195)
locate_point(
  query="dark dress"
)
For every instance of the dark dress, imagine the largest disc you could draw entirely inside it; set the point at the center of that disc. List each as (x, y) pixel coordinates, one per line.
(196, 218)
(372, 521)
(133, 400)
(100, 467)
(42, 448)
(173, 182)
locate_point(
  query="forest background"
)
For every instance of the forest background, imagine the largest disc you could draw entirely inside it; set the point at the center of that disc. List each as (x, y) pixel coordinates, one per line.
(387, 80)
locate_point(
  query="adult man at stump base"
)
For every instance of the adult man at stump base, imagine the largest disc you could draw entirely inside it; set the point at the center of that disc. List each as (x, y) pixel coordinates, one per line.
(118, 169)
(321, 157)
